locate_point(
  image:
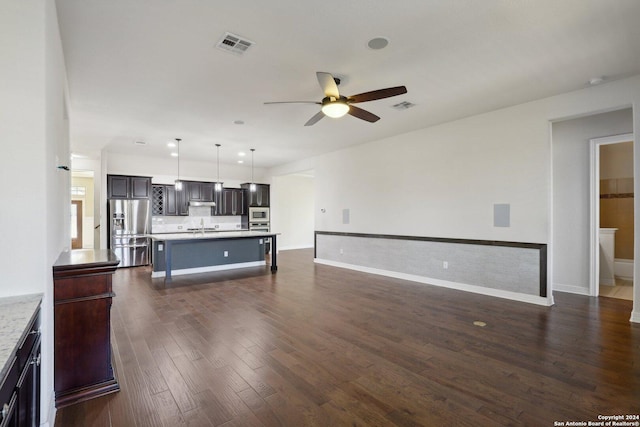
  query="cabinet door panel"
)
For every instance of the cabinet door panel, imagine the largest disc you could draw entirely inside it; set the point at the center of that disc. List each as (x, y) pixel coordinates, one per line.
(195, 191)
(118, 187)
(170, 200)
(82, 348)
(140, 187)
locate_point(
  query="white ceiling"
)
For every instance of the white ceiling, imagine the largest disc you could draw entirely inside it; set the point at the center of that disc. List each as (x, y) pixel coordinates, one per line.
(148, 70)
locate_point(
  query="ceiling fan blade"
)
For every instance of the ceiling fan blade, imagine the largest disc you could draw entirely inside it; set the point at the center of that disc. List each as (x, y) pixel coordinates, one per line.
(313, 120)
(377, 94)
(328, 84)
(293, 102)
(363, 114)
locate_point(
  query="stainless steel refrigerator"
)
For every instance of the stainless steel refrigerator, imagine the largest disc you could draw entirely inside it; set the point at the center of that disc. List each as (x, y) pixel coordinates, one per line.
(129, 221)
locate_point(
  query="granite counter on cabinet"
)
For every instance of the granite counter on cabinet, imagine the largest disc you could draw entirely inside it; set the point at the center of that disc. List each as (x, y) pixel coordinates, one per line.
(15, 315)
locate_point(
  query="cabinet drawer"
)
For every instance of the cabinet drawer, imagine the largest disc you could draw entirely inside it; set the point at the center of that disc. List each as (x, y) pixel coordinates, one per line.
(32, 335)
(8, 384)
(81, 287)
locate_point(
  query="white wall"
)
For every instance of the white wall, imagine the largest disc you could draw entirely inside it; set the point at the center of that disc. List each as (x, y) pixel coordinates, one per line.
(35, 135)
(571, 194)
(292, 210)
(442, 181)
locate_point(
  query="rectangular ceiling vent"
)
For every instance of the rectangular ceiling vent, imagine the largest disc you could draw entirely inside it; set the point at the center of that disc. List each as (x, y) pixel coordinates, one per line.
(404, 105)
(234, 44)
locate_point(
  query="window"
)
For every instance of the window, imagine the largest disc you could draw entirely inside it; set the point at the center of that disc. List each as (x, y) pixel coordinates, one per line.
(78, 191)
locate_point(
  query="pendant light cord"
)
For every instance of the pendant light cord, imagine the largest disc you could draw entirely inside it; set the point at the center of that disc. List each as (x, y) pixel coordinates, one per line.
(178, 140)
(252, 150)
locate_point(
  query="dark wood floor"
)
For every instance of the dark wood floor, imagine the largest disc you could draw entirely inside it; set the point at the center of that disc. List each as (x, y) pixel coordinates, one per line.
(321, 346)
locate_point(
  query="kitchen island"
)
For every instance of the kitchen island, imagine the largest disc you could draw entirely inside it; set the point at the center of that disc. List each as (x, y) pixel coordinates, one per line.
(200, 252)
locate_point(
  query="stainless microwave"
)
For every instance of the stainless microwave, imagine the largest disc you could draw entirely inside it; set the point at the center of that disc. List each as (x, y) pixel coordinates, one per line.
(258, 214)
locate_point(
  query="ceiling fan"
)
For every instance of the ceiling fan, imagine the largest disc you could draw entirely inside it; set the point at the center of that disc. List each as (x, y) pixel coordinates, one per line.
(336, 105)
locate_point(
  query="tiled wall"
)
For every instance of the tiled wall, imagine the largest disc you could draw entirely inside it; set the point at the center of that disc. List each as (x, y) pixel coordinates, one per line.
(176, 224)
(513, 269)
(616, 211)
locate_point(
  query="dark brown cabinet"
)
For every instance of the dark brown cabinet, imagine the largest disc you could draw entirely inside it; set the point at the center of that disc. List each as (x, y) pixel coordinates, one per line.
(128, 187)
(20, 387)
(260, 197)
(200, 191)
(229, 201)
(167, 201)
(234, 201)
(82, 295)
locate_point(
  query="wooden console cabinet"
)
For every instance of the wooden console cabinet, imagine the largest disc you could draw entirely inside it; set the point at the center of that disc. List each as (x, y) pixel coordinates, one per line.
(82, 296)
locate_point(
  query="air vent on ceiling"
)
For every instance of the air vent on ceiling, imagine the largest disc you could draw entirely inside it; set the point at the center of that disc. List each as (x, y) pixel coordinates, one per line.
(404, 105)
(234, 44)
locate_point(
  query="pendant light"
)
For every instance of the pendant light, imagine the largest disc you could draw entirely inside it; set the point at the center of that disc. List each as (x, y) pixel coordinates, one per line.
(178, 183)
(218, 185)
(252, 186)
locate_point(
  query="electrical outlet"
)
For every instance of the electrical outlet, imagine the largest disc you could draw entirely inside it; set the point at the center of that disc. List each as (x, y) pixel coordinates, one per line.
(445, 265)
(226, 253)
(160, 247)
(341, 251)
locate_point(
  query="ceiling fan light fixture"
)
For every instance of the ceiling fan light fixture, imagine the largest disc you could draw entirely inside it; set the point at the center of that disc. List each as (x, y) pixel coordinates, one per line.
(335, 109)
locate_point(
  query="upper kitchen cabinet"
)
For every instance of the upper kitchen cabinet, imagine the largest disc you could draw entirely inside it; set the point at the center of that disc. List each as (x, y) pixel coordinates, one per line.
(234, 202)
(168, 201)
(200, 191)
(128, 187)
(260, 197)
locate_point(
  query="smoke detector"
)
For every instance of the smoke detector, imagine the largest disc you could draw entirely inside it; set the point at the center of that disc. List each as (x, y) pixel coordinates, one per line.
(234, 43)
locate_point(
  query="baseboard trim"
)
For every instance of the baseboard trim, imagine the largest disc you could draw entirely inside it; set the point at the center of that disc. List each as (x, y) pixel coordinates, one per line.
(623, 268)
(514, 296)
(51, 412)
(155, 274)
(290, 248)
(635, 316)
(571, 289)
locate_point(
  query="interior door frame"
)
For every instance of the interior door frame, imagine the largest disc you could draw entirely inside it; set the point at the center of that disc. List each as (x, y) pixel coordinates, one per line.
(79, 224)
(594, 150)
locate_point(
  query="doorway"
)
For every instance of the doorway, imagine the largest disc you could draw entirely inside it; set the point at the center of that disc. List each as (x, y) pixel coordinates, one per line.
(612, 213)
(82, 190)
(76, 224)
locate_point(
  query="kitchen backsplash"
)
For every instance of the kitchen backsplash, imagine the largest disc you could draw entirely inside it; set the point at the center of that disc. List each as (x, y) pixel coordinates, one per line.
(176, 224)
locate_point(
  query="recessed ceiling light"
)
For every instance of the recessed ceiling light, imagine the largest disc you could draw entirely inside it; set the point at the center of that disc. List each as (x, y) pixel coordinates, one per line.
(378, 43)
(174, 154)
(238, 122)
(171, 144)
(242, 154)
(240, 161)
(140, 142)
(596, 80)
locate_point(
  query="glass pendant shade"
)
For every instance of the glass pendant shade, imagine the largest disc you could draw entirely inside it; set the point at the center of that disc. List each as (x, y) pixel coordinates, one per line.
(178, 185)
(252, 187)
(218, 186)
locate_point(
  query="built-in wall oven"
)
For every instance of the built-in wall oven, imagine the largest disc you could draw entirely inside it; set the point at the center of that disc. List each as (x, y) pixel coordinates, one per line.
(259, 221)
(258, 215)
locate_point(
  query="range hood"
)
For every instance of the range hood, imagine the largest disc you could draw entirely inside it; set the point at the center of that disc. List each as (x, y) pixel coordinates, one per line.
(202, 204)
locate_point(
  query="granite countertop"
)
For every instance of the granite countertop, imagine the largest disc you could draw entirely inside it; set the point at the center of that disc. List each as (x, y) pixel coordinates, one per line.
(15, 314)
(199, 235)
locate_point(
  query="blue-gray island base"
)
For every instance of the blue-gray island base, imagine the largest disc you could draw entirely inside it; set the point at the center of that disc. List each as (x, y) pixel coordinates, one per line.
(188, 253)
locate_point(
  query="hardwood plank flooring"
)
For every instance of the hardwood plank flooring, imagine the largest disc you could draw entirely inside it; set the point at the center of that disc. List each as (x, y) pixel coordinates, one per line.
(315, 345)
